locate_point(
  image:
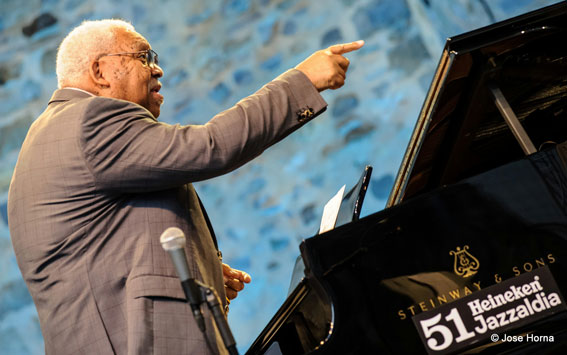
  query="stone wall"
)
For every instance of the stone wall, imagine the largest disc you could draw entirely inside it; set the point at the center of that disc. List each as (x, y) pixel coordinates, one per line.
(215, 52)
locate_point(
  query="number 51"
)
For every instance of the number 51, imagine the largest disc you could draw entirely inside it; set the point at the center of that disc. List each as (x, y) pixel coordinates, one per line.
(430, 326)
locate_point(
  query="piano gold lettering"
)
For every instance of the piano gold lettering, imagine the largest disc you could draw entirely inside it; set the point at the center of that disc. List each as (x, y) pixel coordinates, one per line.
(540, 262)
(410, 308)
(529, 265)
(437, 301)
(432, 303)
(455, 294)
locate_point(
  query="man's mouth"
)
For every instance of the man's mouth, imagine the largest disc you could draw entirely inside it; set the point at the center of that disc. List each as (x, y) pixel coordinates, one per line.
(155, 92)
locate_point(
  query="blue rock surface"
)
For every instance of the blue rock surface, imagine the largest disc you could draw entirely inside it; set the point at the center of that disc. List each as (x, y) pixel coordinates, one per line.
(215, 53)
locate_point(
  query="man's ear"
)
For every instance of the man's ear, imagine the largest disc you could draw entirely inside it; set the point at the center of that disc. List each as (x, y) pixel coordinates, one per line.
(98, 74)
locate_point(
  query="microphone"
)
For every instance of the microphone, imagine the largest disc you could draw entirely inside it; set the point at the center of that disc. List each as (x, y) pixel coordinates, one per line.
(173, 241)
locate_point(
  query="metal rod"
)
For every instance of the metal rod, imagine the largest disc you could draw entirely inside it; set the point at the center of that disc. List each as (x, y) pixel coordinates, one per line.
(512, 120)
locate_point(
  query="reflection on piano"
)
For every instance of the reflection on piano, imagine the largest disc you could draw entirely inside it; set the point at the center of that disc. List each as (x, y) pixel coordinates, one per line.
(468, 211)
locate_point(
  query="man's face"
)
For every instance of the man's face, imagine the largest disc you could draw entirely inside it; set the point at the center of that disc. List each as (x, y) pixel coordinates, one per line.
(130, 77)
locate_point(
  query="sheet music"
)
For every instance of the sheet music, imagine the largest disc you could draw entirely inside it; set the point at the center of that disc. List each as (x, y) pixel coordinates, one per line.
(331, 211)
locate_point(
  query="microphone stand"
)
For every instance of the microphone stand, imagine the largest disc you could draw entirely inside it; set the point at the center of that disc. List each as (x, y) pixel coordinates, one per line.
(210, 296)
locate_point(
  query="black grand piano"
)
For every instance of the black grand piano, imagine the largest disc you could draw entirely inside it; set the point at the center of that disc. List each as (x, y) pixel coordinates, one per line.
(470, 255)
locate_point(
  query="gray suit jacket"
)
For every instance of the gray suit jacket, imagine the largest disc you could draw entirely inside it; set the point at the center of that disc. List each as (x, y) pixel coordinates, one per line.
(96, 183)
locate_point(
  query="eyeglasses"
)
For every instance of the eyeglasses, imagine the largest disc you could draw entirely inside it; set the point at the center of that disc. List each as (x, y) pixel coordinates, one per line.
(149, 57)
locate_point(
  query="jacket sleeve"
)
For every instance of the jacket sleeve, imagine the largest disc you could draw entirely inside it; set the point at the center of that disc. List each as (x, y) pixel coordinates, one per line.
(126, 149)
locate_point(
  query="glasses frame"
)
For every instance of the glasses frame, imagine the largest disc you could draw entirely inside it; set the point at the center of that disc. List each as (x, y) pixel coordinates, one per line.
(151, 56)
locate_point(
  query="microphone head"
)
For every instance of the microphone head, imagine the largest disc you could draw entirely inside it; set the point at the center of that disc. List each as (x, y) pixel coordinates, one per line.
(172, 238)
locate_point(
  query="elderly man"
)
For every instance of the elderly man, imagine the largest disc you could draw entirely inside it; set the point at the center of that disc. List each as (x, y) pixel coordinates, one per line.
(99, 178)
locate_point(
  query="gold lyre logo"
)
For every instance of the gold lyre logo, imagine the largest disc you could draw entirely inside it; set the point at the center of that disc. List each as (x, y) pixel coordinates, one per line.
(466, 265)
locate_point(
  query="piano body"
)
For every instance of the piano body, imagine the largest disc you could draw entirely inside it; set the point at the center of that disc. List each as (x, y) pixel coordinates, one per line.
(479, 205)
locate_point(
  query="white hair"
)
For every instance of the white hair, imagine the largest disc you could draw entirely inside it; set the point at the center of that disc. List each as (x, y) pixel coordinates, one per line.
(83, 45)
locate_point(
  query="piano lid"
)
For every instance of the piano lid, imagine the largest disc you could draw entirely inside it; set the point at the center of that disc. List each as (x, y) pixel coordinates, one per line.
(460, 132)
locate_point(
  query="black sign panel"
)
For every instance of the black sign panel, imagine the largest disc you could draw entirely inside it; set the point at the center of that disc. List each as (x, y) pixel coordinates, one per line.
(490, 312)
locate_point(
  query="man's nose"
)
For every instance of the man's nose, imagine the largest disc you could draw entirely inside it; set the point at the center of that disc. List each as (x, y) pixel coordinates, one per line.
(157, 71)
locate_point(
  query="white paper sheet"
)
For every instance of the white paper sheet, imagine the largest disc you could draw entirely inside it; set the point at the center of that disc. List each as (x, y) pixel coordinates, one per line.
(331, 211)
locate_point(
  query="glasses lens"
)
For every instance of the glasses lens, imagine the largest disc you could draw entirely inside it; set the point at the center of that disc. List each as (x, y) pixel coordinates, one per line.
(152, 57)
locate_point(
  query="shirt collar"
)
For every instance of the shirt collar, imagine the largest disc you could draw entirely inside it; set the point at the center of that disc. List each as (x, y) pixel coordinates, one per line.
(90, 93)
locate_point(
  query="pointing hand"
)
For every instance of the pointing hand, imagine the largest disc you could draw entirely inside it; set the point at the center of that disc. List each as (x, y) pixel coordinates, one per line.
(327, 68)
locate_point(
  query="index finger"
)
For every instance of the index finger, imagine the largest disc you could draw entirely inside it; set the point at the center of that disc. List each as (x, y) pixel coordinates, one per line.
(244, 277)
(346, 47)
(236, 274)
